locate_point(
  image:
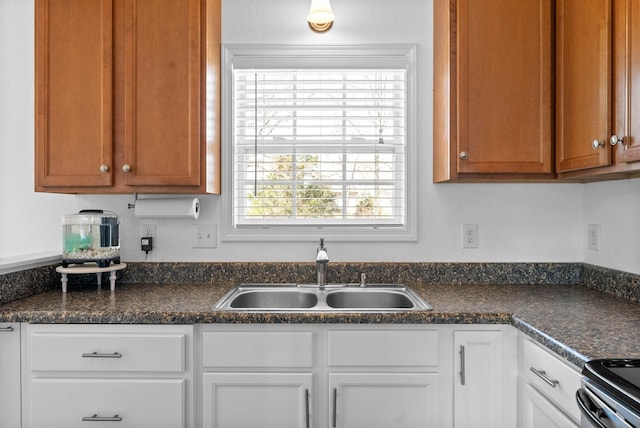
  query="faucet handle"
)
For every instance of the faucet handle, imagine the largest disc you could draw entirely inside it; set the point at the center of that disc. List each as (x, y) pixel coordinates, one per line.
(363, 279)
(321, 254)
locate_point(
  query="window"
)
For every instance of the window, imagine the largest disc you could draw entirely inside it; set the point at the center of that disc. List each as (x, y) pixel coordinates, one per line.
(318, 140)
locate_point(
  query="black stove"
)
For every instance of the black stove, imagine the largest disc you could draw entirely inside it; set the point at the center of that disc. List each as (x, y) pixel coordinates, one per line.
(610, 394)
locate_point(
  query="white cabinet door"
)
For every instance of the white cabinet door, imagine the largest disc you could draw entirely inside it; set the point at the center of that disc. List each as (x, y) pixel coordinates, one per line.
(383, 400)
(538, 412)
(478, 396)
(9, 375)
(257, 400)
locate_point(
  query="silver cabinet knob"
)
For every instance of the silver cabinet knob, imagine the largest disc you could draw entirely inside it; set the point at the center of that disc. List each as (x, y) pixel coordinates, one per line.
(104, 168)
(126, 167)
(464, 155)
(615, 140)
(595, 144)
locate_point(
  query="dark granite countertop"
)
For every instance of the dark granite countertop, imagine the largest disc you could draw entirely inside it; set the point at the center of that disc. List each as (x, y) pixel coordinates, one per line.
(575, 321)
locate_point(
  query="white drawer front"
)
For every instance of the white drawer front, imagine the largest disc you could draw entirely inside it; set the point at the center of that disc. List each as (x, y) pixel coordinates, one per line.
(568, 379)
(257, 349)
(383, 348)
(63, 403)
(109, 352)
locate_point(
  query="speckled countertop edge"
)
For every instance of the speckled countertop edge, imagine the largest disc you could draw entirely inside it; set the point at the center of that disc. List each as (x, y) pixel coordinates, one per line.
(577, 322)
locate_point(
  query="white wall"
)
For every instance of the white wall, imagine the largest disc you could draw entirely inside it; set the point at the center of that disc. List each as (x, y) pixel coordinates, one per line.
(29, 222)
(517, 222)
(615, 206)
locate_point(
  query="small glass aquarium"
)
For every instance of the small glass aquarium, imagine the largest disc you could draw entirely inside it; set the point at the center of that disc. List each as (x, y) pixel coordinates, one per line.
(90, 236)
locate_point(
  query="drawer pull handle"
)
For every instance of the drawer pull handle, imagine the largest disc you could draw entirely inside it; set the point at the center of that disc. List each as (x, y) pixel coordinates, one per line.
(543, 375)
(96, 418)
(97, 355)
(6, 329)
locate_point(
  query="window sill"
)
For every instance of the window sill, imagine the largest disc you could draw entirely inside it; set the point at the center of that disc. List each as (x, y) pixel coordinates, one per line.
(28, 261)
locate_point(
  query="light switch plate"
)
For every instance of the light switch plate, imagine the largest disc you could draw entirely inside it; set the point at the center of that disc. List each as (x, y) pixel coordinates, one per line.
(204, 236)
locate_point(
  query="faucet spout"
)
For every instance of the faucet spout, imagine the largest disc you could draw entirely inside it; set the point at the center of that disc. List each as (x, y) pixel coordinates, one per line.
(322, 259)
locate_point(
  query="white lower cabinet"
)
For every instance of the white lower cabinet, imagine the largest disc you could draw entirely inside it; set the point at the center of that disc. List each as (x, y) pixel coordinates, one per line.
(382, 400)
(282, 376)
(107, 375)
(485, 373)
(266, 400)
(385, 377)
(338, 376)
(538, 412)
(257, 376)
(547, 386)
(10, 375)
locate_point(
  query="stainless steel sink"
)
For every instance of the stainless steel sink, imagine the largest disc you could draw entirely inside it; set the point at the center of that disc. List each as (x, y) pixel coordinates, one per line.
(369, 298)
(269, 299)
(330, 298)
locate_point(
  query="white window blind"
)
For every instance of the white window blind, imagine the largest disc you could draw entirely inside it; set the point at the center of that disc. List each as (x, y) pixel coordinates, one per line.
(319, 146)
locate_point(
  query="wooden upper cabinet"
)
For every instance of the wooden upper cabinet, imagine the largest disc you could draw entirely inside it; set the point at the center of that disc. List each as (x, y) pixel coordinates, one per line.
(598, 88)
(74, 93)
(122, 88)
(162, 92)
(583, 91)
(493, 99)
(627, 80)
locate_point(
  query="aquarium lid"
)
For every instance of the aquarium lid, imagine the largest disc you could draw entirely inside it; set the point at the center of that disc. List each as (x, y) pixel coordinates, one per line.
(91, 217)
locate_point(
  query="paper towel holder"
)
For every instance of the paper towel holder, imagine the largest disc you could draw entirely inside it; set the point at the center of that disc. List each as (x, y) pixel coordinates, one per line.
(165, 207)
(135, 199)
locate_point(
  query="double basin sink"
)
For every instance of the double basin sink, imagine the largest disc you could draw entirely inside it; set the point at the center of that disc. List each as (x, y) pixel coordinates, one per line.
(329, 298)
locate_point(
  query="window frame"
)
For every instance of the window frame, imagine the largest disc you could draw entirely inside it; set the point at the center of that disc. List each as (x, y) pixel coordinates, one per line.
(307, 56)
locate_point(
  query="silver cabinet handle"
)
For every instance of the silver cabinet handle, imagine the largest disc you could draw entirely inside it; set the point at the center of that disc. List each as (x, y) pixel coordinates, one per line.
(616, 140)
(543, 375)
(334, 417)
(464, 155)
(596, 143)
(306, 408)
(97, 355)
(6, 329)
(462, 366)
(104, 168)
(126, 167)
(96, 418)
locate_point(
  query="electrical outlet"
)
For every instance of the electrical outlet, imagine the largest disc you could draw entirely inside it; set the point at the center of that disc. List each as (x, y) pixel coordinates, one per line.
(149, 230)
(204, 236)
(469, 236)
(593, 237)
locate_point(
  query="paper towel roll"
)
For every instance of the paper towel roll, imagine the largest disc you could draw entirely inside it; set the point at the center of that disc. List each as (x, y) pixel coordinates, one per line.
(168, 208)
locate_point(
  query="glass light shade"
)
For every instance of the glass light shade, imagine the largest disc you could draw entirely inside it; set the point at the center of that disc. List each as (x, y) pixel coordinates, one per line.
(320, 16)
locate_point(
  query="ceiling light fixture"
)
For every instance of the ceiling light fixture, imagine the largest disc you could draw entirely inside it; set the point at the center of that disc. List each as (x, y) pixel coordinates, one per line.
(320, 16)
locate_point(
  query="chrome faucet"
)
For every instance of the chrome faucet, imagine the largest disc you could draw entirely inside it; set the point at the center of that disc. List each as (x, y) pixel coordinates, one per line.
(322, 259)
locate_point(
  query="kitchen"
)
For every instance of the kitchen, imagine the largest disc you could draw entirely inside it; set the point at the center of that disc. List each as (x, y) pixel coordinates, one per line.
(518, 223)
